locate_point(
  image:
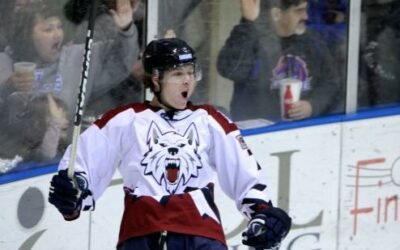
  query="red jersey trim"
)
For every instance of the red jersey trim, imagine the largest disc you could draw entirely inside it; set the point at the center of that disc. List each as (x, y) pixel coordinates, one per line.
(137, 107)
(145, 215)
(227, 125)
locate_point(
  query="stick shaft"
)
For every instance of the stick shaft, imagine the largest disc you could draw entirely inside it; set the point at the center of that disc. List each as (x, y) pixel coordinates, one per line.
(82, 89)
(74, 146)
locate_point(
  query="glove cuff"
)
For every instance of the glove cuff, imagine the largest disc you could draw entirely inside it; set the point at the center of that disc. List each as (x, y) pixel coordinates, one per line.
(73, 216)
(260, 208)
(279, 213)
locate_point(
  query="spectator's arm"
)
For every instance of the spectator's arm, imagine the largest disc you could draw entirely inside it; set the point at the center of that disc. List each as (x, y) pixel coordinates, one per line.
(47, 150)
(237, 56)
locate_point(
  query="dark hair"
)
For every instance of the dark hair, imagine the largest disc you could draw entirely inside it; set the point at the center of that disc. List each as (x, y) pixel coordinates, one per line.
(78, 10)
(263, 20)
(282, 4)
(21, 41)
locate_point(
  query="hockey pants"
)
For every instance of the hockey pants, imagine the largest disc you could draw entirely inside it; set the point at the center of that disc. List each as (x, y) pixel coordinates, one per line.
(172, 241)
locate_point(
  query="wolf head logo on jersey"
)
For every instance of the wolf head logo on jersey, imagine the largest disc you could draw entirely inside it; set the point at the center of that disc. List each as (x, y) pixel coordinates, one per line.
(172, 158)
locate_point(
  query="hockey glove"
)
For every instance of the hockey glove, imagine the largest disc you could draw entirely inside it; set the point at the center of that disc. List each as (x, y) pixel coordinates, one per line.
(267, 229)
(66, 198)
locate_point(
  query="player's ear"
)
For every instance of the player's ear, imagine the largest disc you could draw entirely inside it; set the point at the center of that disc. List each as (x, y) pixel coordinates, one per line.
(155, 78)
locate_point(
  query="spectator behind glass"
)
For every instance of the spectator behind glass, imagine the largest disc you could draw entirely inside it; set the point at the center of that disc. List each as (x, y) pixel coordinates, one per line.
(7, 12)
(38, 37)
(379, 82)
(272, 43)
(328, 18)
(33, 127)
(129, 89)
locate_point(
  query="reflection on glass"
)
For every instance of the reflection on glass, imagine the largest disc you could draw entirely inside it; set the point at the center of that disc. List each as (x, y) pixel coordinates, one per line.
(247, 53)
(42, 47)
(379, 79)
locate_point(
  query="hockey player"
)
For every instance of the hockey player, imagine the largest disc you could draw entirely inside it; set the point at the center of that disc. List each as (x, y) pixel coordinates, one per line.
(170, 152)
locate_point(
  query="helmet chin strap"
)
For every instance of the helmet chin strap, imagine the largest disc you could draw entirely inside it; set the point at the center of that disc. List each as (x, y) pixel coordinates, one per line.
(169, 110)
(157, 94)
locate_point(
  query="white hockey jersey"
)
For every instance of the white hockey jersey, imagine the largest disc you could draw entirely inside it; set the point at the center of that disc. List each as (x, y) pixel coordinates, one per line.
(169, 165)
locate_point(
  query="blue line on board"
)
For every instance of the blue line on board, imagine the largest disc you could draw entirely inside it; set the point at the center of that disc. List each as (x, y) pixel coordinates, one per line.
(338, 118)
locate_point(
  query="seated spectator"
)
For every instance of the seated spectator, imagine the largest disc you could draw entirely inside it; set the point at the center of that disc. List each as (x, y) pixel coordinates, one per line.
(34, 127)
(272, 43)
(38, 37)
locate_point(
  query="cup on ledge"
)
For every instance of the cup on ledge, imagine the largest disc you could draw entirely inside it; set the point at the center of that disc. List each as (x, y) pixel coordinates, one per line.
(290, 90)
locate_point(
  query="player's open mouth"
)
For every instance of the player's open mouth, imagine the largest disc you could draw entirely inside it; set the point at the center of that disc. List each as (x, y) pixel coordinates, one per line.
(172, 167)
(185, 94)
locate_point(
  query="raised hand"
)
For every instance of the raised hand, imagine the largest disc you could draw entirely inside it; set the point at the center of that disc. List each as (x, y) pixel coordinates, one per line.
(250, 9)
(123, 12)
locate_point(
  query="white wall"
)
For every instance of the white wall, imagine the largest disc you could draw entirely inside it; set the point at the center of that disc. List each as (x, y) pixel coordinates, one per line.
(340, 183)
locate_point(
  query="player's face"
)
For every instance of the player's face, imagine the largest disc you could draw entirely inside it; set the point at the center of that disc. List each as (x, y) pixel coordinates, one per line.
(178, 85)
(47, 36)
(293, 20)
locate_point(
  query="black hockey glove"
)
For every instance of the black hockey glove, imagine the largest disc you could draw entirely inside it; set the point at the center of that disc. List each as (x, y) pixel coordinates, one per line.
(267, 229)
(66, 198)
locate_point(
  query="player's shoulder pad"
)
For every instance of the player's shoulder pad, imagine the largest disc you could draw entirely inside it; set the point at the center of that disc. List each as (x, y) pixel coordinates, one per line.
(219, 117)
(106, 117)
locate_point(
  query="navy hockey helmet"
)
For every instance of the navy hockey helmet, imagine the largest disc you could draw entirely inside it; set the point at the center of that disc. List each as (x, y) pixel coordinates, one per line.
(167, 53)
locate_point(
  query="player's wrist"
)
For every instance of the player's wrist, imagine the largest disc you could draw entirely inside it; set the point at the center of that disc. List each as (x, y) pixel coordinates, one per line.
(262, 207)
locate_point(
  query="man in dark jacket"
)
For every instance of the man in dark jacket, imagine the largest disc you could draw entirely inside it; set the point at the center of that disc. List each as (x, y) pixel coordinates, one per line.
(271, 43)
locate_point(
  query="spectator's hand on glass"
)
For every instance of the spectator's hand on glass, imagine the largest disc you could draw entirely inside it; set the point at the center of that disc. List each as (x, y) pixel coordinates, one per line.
(250, 9)
(22, 82)
(123, 13)
(300, 110)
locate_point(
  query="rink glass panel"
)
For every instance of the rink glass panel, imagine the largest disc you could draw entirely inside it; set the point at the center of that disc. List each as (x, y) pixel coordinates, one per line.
(206, 26)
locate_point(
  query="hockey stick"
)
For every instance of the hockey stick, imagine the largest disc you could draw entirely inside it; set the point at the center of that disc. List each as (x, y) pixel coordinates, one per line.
(82, 90)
